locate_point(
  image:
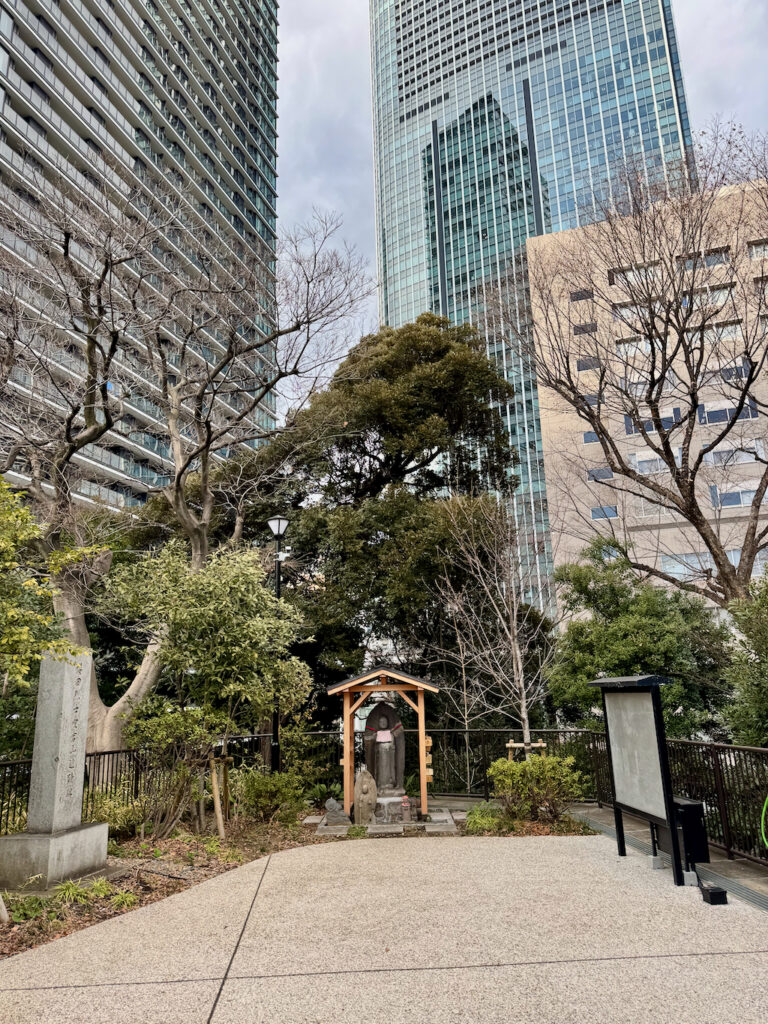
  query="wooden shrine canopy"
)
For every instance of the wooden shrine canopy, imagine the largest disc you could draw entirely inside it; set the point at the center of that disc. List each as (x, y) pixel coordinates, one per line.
(355, 692)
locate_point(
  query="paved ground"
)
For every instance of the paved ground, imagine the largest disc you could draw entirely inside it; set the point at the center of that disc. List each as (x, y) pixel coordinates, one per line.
(747, 873)
(387, 931)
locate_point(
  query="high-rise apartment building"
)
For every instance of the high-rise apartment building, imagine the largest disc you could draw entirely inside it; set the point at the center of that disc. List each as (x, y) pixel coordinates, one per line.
(92, 88)
(497, 120)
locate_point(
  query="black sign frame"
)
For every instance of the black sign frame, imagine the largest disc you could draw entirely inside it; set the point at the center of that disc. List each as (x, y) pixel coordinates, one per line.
(652, 685)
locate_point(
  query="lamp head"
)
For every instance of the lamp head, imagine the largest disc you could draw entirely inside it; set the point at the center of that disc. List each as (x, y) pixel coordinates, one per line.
(278, 525)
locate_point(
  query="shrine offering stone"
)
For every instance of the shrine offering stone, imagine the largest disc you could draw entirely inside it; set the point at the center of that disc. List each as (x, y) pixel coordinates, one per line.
(335, 813)
(56, 845)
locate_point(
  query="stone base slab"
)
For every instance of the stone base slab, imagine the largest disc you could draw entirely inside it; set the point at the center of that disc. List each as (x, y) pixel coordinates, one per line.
(48, 859)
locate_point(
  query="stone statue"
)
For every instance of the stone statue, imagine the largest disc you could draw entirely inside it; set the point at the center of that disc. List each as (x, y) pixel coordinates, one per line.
(335, 813)
(365, 798)
(385, 749)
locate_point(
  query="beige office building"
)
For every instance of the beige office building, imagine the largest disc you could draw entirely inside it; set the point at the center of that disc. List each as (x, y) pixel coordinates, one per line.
(650, 348)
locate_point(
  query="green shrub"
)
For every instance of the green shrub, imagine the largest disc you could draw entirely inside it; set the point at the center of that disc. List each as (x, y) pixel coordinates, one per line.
(320, 792)
(124, 817)
(488, 820)
(357, 831)
(267, 796)
(539, 789)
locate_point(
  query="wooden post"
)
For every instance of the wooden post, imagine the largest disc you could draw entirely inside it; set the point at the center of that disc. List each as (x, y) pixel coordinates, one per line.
(349, 752)
(422, 755)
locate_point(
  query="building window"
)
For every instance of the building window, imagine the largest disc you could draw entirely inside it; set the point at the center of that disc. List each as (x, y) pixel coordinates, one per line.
(649, 464)
(35, 125)
(605, 512)
(733, 454)
(40, 93)
(732, 499)
(631, 426)
(727, 413)
(585, 328)
(587, 363)
(600, 473)
(758, 250)
(590, 437)
(45, 26)
(582, 295)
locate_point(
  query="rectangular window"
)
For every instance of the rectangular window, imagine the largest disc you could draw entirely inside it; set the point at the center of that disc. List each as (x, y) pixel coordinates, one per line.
(587, 363)
(585, 329)
(600, 473)
(730, 454)
(741, 498)
(712, 258)
(667, 422)
(631, 348)
(687, 566)
(725, 414)
(582, 295)
(758, 250)
(605, 512)
(590, 437)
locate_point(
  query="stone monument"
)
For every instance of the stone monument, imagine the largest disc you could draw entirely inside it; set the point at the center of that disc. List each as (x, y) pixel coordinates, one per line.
(365, 798)
(56, 844)
(385, 760)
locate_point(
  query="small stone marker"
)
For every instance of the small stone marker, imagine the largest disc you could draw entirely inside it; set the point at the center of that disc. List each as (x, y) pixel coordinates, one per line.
(335, 813)
(365, 797)
(56, 845)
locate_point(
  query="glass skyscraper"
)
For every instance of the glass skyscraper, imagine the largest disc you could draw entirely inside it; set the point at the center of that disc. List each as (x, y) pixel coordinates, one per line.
(496, 120)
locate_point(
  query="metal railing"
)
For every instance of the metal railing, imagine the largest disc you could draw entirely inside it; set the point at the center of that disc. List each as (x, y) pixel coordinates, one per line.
(732, 782)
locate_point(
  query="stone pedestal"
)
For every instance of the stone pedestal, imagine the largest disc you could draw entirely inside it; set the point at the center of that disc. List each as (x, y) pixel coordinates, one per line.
(49, 859)
(389, 809)
(56, 846)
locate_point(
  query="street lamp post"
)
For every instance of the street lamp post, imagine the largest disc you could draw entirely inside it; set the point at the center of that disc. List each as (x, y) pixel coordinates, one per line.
(278, 525)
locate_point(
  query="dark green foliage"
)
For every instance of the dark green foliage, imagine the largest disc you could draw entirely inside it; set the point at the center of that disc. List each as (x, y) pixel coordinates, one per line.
(266, 796)
(539, 789)
(400, 400)
(626, 628)
(176, 745)
(320, 792)
(748, 715)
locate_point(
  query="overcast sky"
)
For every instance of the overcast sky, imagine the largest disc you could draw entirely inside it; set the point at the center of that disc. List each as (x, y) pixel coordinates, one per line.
(325, 143)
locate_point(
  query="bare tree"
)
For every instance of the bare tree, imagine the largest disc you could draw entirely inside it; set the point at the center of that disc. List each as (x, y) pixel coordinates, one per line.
(650, 327)
(501, 645)
(123, 306)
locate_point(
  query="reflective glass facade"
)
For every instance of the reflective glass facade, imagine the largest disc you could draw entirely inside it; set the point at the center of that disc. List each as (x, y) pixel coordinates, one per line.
(496, 120)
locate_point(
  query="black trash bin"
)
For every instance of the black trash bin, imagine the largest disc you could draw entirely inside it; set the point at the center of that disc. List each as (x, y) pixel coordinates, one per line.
(691, 830)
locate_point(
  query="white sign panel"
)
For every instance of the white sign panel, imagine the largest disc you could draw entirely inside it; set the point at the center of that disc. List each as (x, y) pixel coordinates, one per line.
(635, 752)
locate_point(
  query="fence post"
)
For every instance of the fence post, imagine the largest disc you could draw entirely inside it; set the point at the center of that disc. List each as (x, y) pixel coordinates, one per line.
(722, 800)
(484, 757)
(595, 767)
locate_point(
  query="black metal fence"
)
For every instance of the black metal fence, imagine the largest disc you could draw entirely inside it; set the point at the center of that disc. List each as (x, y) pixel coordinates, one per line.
(14, 795)
(732, 782)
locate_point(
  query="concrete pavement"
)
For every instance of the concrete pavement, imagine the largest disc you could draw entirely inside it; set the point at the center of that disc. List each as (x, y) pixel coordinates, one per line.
(390, 931)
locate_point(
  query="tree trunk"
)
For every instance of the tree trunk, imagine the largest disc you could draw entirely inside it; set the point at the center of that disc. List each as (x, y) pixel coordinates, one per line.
(217, 800)
(105, 724)
(526, 725)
